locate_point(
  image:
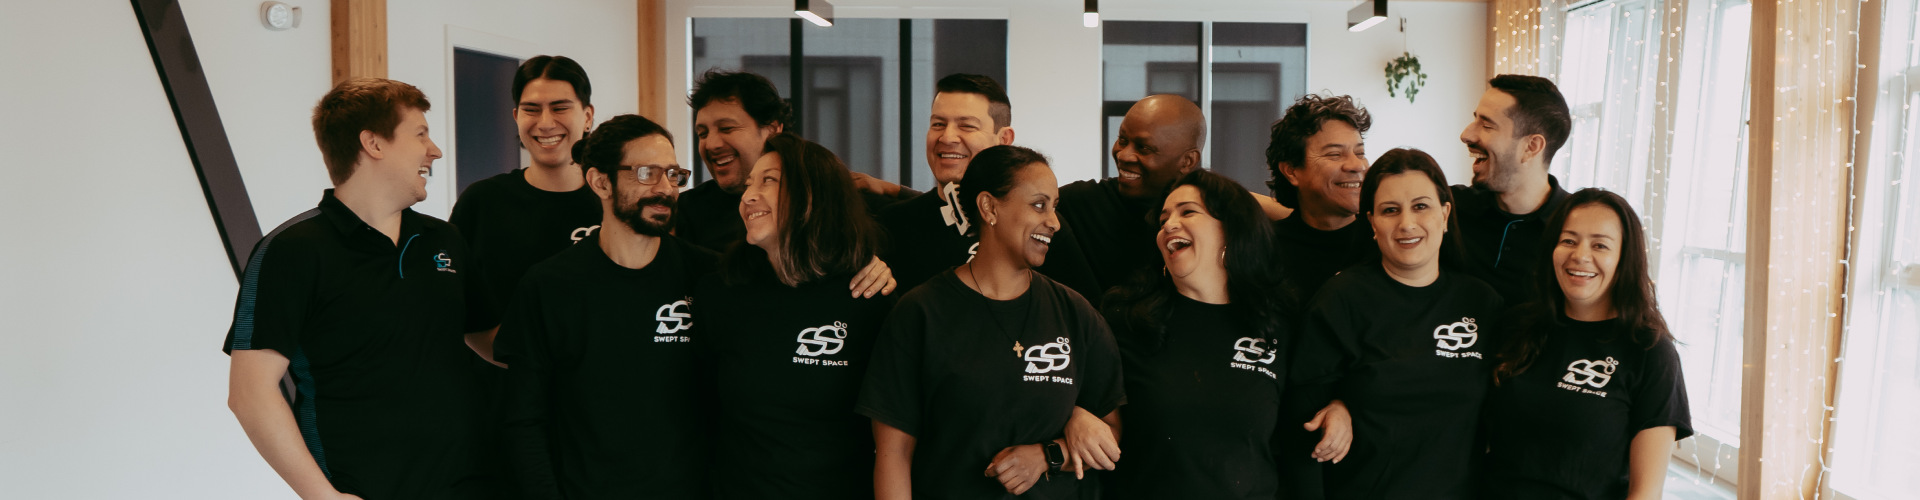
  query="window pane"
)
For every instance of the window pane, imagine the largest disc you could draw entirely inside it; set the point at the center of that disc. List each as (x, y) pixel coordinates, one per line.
(1258, 70)
(851, 100)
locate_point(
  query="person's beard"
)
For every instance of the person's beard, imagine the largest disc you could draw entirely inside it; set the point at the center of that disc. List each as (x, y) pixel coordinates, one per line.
(630, 213)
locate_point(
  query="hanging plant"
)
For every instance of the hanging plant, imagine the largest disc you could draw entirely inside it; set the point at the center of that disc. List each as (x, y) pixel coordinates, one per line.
(1404, 76)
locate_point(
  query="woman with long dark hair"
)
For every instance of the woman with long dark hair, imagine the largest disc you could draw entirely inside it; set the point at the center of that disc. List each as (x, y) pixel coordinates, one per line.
(1390, 352)
(785, 344)
(981, 370)
(1588, 396)
(1202, 345)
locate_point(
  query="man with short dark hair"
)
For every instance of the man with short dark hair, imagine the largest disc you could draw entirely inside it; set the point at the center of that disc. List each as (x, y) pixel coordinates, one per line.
(361, 302)
(734, 112)
(1516, 129)
(603, 393)
(970, 113)
(1317, 155)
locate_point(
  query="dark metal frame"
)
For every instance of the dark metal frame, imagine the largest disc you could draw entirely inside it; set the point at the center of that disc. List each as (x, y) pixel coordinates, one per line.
(185, 82)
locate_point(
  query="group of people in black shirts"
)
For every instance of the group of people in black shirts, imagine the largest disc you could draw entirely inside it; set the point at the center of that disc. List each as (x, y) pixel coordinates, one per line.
(583, 328)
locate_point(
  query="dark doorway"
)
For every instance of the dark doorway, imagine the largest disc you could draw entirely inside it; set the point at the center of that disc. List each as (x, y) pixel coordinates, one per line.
(1245, 104)
(484, 137)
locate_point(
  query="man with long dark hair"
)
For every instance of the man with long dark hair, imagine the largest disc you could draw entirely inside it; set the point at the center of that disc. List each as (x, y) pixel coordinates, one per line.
(599, 335)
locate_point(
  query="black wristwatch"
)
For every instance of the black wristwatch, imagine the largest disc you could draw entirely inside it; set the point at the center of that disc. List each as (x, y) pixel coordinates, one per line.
(1055, 457)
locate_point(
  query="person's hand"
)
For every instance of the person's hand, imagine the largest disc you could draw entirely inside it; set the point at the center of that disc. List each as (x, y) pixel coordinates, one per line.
(342, 496)
(1018, 467)
(875, 278)
(869, 184)
(1338, 437)
(1090, 444)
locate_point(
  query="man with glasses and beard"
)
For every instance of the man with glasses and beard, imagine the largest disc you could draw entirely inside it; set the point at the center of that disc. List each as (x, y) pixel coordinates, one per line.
(601, 385)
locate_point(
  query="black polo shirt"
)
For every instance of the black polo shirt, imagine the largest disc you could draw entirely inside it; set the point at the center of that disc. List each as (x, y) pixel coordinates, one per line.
(1308, 256)
(511, 225)
(925, 241)
(946, 372)
(1203, 400)
(373, 333)
(710, 217)
(1116, 233)
(1503, 249)
(1564, 428)
(603, 394)
(1411, 364)
(787, 363)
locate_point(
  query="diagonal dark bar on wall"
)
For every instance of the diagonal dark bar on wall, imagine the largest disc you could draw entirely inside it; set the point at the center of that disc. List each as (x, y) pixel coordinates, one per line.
(185, 82)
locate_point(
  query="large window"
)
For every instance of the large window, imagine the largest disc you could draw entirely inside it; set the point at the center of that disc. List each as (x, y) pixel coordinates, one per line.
(861, 87)
(1252, 72)
(1880, 372)
(1691, 196)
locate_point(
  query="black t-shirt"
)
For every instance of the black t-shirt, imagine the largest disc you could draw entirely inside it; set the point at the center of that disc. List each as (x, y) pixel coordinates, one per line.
(1309, 256)
(510, 226)
(1116, 234)
(946, 373)
(372, 332)
(924, 242)
(603, 393)
(1412, 369)
(787, 363)
(1202, 402)
(1503, 249)
(1563, 429)
(710, 217)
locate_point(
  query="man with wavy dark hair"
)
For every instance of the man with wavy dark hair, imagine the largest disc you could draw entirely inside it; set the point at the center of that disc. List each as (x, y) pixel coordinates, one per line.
(1317, 155)
(1518, 126)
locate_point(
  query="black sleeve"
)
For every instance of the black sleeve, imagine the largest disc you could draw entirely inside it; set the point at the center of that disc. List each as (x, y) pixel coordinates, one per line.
(482, 311)
(1323, 351)
(523, 345)
(891, 393)
(274, 296)
(1660, 398)
(1102, 389)
(1067, 265)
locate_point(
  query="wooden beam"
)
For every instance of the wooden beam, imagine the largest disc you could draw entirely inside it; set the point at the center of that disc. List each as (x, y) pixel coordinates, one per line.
(1800, 184)
(359, 39)
(653, 59)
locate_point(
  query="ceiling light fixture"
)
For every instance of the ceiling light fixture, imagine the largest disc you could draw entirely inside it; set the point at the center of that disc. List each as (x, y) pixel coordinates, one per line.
(819, 12)
(1367, 14)
(1090, 16)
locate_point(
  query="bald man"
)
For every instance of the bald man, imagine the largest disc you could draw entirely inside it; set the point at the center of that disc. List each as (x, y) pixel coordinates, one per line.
(1160, 140)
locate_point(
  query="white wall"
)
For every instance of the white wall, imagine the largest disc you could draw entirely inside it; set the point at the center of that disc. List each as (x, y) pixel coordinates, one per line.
(1054, 75)
(115, 291)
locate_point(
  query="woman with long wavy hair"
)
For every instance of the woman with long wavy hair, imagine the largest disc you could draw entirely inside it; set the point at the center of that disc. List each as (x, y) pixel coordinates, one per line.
(786, 346)
(1588, 396)
(1203, 347)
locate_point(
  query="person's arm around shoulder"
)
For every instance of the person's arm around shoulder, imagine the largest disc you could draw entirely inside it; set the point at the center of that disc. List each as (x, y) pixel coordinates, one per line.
(892, 463)
(253, 393)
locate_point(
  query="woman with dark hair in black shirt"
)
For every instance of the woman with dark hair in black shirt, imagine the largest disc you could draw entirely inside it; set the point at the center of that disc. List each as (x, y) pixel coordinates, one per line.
(984, 380)
(1588, 397)
(786, 345)
(1390, 352)
(1201, 343)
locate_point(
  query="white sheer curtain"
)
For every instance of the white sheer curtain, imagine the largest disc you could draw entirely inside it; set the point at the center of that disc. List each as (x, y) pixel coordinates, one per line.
(1879, 446)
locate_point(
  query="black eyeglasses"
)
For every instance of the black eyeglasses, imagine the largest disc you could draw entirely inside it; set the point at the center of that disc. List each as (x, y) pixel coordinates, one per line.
(651, 175)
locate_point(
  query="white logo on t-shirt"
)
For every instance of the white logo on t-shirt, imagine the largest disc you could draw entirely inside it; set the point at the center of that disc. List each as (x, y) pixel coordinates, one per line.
(1252, 350)
(674, 314)
(1457, 335)
(584, 232)
(825, 339)
(1049, 357)
(1592, 373)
